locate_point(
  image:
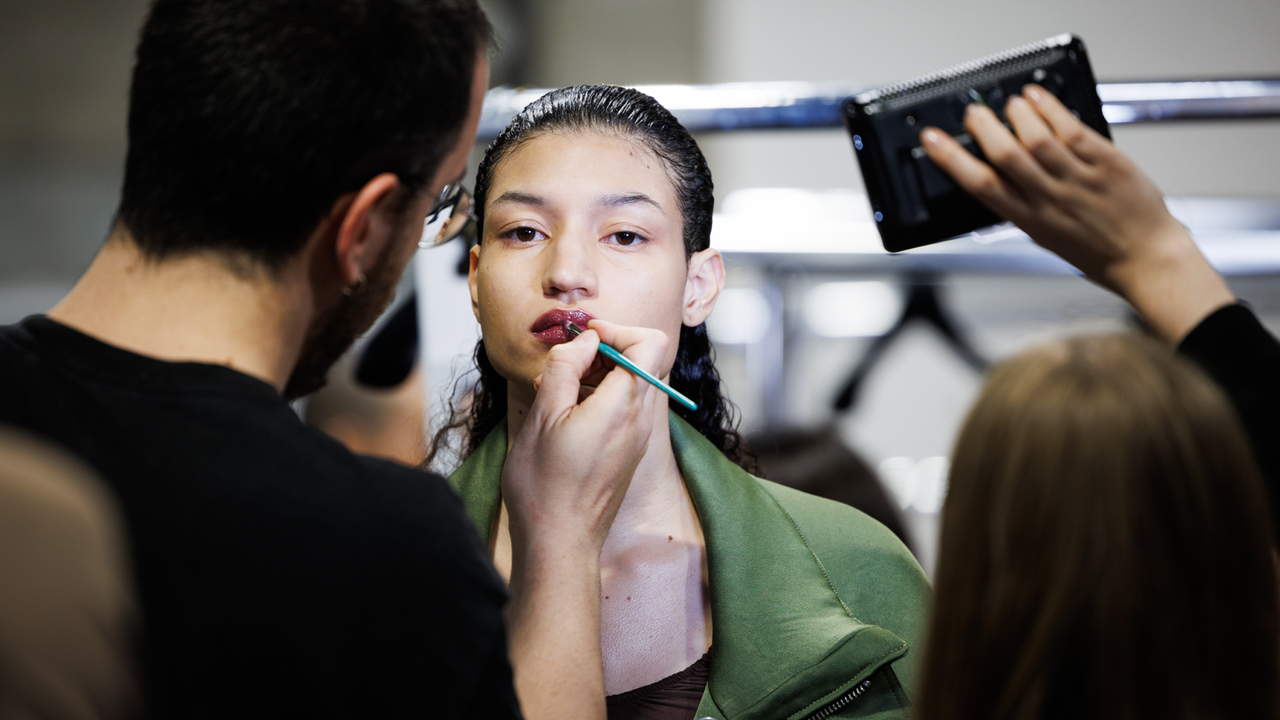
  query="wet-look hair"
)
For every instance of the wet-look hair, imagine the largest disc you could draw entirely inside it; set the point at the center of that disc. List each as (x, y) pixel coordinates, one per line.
(248, 119)
(1105, 548)
(630, 114)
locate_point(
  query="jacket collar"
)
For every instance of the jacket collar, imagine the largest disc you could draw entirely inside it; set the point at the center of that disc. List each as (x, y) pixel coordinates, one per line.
(783, 641)
(478, 481)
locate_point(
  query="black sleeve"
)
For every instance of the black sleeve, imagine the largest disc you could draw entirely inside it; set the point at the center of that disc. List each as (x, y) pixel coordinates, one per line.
(495, 695)
(429, 605)
(1244, 358)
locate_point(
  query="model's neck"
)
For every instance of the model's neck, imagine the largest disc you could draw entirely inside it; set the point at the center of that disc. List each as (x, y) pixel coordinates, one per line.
(194, 308)
(655, 557)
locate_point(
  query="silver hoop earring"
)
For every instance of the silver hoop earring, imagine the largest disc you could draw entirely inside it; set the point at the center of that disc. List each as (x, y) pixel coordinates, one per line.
(358, 289)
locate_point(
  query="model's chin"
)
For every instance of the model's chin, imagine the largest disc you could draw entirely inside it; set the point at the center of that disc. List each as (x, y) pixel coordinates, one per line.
(520, 375)
(520, 366)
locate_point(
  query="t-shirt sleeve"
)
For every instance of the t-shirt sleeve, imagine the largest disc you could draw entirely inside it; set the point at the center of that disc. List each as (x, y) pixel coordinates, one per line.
(1244, 358)
(436, 627)
(495, 695)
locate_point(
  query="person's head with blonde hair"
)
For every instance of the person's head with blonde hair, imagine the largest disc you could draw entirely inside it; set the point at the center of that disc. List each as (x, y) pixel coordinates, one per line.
(1105, 547)
(68, 617)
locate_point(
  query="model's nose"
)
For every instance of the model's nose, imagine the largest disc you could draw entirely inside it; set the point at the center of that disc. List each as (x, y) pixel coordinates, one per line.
(569, 275)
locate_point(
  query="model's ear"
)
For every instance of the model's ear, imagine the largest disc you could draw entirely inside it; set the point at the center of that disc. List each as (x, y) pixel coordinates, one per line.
(473, 282)
(367, 227)
(702, 286)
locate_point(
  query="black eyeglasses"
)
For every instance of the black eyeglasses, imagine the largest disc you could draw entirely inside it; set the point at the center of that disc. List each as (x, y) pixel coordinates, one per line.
(449, 217)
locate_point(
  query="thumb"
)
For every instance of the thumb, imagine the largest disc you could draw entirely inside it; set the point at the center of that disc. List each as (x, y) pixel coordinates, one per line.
(559, 383)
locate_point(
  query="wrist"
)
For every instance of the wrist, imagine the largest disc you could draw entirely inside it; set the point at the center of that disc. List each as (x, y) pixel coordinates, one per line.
(541, 530)
(1170, 283)
(1167, 248)
(553, 553)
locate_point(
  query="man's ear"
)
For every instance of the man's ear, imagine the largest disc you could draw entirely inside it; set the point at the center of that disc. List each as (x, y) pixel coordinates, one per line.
(367, 227)
(702, 286)
(473, 282)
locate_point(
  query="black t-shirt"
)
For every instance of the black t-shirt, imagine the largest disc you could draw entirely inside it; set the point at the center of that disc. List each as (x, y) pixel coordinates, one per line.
(279, 574)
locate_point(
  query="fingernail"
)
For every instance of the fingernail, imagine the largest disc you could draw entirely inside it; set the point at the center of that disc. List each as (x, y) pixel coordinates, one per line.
(1032, 93)
(929, 137)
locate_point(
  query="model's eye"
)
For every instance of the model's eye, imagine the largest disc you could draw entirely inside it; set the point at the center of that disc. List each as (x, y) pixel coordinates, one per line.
(522, 234)
(627, 238)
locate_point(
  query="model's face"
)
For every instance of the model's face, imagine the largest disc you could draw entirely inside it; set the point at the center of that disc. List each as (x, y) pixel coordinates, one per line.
(576, 226)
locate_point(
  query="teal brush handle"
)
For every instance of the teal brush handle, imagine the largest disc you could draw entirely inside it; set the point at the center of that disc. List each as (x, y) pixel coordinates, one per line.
(622, 360)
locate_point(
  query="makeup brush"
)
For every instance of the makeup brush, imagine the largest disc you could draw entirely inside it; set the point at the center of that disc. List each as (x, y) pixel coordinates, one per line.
(622, 360)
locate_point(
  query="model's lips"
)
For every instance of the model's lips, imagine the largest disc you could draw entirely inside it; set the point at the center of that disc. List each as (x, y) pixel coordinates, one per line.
(549, 327)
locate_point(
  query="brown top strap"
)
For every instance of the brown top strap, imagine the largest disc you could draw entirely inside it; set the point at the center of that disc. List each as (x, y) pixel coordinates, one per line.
(674, 697)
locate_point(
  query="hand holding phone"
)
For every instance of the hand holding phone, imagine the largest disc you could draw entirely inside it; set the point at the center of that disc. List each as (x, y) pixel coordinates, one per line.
(913, 201)
(1076, 194)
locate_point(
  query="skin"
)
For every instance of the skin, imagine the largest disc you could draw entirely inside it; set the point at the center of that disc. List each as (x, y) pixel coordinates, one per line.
(590, 220)
(212, 308)
(384, 423)
(1080, 197)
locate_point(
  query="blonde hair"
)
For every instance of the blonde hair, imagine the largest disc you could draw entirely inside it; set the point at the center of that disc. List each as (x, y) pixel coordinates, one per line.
(1105, 547)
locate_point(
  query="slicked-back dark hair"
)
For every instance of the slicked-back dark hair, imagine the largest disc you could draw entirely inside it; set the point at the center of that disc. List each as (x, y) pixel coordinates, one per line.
(628, 113)
(248, 119)
(631, 114)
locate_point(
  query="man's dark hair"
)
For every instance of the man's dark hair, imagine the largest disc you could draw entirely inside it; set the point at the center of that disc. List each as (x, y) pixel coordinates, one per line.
(248, 119)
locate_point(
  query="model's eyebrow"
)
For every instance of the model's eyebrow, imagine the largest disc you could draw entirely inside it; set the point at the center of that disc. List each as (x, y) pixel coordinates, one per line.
(623, 199)
(518, 198)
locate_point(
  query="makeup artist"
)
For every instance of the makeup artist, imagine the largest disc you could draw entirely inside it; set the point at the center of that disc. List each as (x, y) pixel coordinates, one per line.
(282, 158)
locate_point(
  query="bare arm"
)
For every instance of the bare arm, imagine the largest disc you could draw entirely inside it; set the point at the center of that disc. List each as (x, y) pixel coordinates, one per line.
(565, 476)
(1078, 196)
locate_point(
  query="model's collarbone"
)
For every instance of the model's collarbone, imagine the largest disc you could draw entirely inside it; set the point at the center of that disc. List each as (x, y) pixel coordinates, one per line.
(654, 610)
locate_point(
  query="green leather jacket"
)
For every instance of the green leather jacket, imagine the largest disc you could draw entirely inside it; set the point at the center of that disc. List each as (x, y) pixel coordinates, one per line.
(818, 610)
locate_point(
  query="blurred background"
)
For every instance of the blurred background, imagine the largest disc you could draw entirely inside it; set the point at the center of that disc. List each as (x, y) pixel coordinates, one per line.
(64, 68)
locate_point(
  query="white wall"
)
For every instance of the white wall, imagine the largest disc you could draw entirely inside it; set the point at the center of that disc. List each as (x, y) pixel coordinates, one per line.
(64, 80)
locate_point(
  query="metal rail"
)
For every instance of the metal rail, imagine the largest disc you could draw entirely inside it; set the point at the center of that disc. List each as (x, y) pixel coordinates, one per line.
(726, 107)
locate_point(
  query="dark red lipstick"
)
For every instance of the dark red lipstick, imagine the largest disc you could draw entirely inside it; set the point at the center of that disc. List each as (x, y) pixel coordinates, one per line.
(549, 327)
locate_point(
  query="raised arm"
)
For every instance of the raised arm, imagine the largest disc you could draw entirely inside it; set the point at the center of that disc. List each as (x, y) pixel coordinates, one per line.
(564, 478)
(1080, 197)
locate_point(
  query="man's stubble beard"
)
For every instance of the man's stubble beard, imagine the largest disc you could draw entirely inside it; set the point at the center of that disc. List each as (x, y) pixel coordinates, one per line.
(334, 330)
